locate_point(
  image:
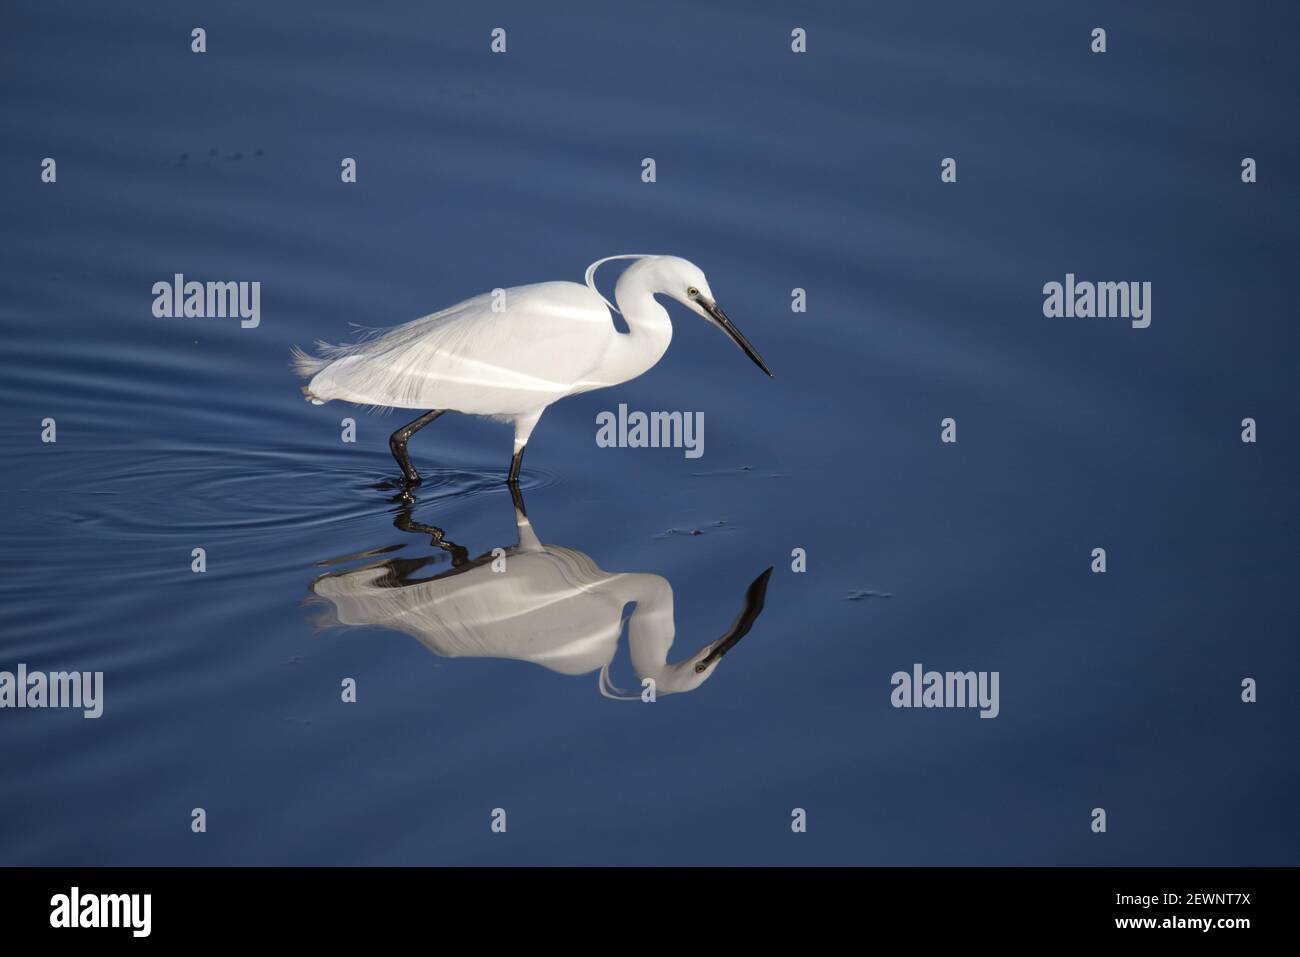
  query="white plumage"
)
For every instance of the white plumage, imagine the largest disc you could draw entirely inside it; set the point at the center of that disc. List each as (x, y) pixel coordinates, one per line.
(471, 359)
(511, 353)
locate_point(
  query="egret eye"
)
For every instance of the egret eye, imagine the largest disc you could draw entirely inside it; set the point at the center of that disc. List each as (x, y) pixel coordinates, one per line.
(692, 292)
(700, 666)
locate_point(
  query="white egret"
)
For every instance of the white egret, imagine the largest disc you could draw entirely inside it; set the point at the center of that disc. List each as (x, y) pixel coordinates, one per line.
(510, 353)
(545, 604)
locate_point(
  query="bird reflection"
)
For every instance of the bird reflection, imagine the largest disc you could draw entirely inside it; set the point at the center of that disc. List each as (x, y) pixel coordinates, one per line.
(546, 604)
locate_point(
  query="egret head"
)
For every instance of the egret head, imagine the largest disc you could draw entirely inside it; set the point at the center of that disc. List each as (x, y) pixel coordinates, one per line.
(684, 281)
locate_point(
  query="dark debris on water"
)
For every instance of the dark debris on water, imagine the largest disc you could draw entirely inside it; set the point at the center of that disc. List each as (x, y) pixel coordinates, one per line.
(859, 594)
(706, 529)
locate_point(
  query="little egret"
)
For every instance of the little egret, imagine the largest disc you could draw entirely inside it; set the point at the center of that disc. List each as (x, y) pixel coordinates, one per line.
(510, 353)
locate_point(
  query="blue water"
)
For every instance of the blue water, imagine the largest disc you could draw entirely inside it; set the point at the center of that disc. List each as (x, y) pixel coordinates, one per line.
(774, 171)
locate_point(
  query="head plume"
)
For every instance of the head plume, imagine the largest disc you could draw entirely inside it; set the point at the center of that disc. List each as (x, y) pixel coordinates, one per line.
(591, 273)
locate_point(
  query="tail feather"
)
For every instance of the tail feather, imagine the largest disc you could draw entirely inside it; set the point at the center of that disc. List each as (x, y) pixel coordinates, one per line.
(378, 364)
(306, 365)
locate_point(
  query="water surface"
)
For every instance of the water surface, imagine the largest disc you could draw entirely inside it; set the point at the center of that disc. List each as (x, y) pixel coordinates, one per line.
(775, 171)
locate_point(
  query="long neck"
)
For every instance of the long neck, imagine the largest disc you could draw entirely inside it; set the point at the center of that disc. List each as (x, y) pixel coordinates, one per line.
(650, 628)
(649, 329)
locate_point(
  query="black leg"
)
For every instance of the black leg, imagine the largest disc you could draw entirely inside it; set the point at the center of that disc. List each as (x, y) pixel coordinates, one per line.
(517, 497)
(515, 464)
(397, 443)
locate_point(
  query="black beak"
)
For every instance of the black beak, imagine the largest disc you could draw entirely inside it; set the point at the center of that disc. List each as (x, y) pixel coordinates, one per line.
(754, 598)
(726, 325)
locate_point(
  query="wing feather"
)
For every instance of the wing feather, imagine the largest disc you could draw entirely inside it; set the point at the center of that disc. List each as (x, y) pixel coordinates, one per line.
(471, 357)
